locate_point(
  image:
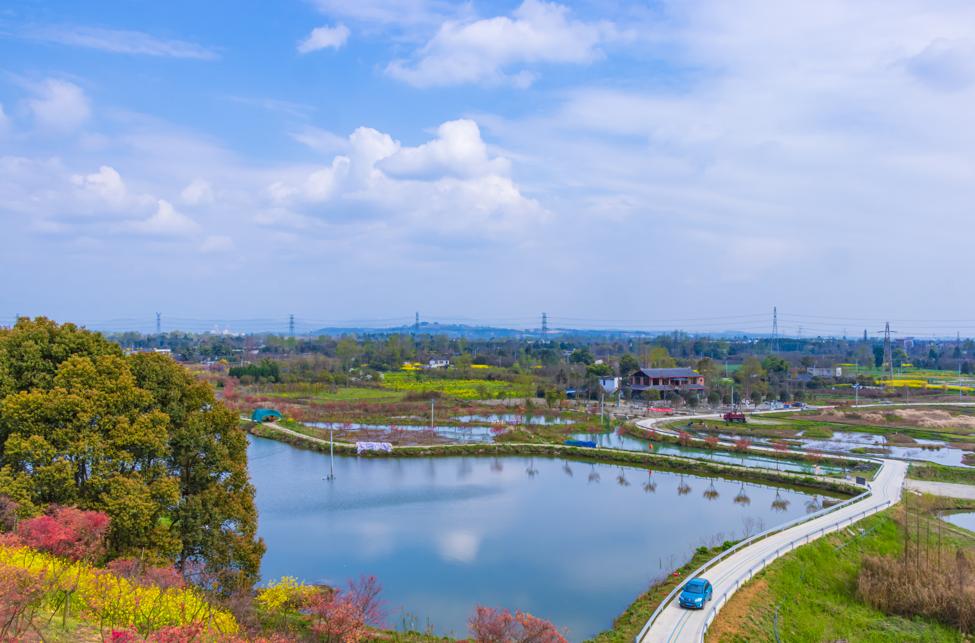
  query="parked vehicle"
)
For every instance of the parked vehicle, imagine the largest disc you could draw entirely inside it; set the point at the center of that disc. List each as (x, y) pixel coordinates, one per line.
(696, 593)
(735, 416)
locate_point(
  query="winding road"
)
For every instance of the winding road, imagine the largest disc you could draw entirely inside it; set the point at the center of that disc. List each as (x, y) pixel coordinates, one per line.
(677, 624)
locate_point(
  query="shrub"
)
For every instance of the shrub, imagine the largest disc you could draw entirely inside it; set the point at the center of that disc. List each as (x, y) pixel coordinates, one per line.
(20, 594)
(140, 573)
(113, 601)
(67, 532)
(490, 625)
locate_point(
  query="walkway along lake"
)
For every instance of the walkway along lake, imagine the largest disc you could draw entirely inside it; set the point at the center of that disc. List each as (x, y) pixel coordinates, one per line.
(571, 542)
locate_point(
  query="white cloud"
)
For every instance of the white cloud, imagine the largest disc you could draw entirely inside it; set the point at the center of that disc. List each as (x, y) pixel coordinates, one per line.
(448, 186)
(216, 244)
(391, 12)
(324, 38)
(198, 192)
(165, 222)
(457, 151)
(120, 41)
(4, 121)
(106, 185)
(59, 106)
(485, 50)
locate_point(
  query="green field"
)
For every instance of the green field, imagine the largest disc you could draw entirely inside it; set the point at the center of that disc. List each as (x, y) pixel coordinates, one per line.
(467, 389)
(810, 594)
(941, 473)
(338, 394)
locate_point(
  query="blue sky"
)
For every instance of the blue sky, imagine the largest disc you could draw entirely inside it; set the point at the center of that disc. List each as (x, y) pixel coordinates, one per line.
(626, 162)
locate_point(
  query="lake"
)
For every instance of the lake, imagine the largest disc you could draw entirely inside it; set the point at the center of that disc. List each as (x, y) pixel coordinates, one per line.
(571, 542)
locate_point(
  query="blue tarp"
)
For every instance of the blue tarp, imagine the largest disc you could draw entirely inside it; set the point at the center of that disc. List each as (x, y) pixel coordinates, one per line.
(263, 415)
(580, 443)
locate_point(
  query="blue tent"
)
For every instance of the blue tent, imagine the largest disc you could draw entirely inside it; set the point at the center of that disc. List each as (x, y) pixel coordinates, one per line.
(265, 415)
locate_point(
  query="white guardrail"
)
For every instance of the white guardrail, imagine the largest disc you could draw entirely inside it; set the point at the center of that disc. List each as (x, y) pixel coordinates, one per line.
(747, 574)
(789, 546)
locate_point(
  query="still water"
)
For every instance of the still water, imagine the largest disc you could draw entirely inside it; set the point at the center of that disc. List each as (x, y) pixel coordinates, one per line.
(571, 542)
(631, 443)
(845, 441)
(964, 520)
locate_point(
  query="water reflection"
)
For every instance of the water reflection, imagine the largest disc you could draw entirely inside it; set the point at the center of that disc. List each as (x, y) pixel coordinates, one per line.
(445, 534)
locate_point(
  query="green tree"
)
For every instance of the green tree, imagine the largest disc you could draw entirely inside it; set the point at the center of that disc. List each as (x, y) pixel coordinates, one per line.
(658, 357)
(751, 377)
(628, 365)
(137, 437)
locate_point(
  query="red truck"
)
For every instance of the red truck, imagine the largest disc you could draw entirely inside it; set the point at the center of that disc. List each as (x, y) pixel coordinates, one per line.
(735, 416)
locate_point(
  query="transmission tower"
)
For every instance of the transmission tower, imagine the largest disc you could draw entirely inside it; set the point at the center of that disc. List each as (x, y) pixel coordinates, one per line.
(544, 323)
(291, 326)
(888, 364)
(416, 323)
(775, 328)
(159, 329)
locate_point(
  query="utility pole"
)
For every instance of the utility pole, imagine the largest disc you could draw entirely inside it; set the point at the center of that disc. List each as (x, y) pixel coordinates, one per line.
(159, 329)
(291, 326)
(433, 401)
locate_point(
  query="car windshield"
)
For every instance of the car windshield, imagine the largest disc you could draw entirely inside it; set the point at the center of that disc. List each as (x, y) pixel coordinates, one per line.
(695, 586)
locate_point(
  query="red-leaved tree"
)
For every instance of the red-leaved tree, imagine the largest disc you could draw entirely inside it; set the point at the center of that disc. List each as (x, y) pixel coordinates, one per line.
(20, 594)
(490, 625)
(344, 616)
(67, 531)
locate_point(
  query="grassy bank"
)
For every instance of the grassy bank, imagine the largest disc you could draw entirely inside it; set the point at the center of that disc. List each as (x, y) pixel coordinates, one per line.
(612, 456)
(810, 594)
(786, 456)
(941, 473)
(628, 624)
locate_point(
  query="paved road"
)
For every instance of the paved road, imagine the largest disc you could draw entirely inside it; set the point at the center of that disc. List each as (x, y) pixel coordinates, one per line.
(946, 489)
(678, 625)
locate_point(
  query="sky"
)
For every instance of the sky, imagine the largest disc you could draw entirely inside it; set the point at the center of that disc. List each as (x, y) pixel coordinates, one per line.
(687, 163)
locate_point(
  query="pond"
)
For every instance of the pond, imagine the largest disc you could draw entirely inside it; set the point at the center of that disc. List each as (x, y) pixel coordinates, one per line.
(925, 450)
(514, 418)
(571, 542)
(467, 433)
(631, 443)
(963, 520)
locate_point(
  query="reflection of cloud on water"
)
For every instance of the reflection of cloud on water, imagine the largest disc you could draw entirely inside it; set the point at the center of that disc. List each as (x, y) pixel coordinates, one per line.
(459, 546)
(376, 539)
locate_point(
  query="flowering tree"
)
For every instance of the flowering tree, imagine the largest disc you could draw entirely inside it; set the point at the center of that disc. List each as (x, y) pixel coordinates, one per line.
(742, 444)
(20, 594)
(490, 625)
(68, 532)
(344, 616)
(684, 438)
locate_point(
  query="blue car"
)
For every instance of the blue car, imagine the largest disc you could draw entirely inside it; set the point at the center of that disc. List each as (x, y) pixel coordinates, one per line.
(696, 593)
